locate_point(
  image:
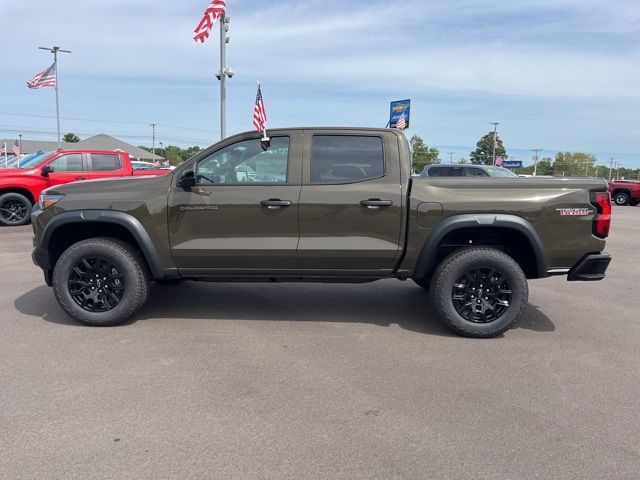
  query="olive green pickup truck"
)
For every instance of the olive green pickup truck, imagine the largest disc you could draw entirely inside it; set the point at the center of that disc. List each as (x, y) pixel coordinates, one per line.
(320, 205)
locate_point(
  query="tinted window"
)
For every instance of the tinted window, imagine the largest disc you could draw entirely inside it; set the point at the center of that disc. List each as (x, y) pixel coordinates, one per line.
(71, 162)
(437, 172)
(246, 162)
(102, 162)
(456, 172)
(346, 158)
(501, 172)
(475, 172)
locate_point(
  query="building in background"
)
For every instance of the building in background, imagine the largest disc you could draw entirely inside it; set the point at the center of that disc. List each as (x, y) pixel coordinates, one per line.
(97, 142)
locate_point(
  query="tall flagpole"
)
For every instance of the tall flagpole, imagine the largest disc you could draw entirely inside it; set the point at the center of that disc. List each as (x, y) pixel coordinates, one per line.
(55, 51)
(223, 77)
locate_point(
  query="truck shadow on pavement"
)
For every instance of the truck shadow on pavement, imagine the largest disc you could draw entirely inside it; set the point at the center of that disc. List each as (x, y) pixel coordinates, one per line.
(381, 303)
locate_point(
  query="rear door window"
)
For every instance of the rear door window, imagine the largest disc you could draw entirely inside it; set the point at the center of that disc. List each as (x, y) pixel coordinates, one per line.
(105, 162)
(475, 172)
(346, 159)
(437, 172)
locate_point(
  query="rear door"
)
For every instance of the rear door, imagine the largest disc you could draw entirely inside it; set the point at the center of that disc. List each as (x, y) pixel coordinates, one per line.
(105, 165)
(351, 203)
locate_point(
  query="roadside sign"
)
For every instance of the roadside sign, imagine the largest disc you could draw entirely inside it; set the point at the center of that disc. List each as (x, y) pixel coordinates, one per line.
(398, 108)
(512, 164)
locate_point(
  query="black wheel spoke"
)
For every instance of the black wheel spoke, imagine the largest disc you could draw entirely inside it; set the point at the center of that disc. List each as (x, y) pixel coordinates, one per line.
(481, 294)
(95, 284)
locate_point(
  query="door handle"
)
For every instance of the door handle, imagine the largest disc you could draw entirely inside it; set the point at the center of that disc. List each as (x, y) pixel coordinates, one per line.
(81, 178)
(375, 203)
(275, 203)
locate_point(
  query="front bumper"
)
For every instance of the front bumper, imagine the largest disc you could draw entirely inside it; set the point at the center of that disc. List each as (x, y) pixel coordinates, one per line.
(590, 268)
(39, 255)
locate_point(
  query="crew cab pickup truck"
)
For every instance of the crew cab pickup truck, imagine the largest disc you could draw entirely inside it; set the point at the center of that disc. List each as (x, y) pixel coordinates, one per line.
(320, 205)
(21, 187)
(625, 192)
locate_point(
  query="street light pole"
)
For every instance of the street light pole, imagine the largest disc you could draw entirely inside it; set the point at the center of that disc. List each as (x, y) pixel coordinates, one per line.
(153, 141)
(20, 143)
(495, 132)
(535, 160)
(55, 51)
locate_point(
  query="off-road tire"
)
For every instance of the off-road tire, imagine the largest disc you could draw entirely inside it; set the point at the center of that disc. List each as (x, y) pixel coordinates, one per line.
(621, 198)
(453, 266)
(18, 200)
(128, 263)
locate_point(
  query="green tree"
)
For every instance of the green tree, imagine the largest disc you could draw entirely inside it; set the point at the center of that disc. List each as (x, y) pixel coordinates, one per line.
(422, 154)
(483, 154)
(71, 138)
(574, 163)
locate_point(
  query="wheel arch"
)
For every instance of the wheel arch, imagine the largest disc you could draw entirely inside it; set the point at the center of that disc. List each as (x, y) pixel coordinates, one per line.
(477, 227)
(70, 227)
(21, 190)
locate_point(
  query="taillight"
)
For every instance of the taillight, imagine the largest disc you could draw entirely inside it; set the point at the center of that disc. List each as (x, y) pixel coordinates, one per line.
(602, 220)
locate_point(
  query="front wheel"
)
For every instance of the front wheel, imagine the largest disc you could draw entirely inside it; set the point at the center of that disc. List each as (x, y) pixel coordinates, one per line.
(100, 281)
(621, 198)
(479, 292)
(14, 209)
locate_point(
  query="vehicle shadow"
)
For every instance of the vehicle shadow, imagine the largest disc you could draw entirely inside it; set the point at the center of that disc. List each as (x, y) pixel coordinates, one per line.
(381, 303)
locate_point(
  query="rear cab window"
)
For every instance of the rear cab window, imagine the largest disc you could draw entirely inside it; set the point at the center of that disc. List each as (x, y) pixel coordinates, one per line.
(337, 159)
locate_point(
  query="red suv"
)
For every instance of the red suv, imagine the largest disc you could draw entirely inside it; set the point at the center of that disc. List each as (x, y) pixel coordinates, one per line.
(625, 192)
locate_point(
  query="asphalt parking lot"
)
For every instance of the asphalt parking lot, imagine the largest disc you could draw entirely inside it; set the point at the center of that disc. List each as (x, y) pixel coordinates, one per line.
(275, 381)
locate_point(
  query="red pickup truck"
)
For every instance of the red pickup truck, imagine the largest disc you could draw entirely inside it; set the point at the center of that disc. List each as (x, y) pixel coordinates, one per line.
(20, 188)
(625, 192)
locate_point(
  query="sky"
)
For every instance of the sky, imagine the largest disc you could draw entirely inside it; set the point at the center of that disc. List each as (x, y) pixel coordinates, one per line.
(556, 74)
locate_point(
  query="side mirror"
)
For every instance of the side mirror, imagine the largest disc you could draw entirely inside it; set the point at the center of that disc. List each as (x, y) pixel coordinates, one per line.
(46, 170)
(187, 180)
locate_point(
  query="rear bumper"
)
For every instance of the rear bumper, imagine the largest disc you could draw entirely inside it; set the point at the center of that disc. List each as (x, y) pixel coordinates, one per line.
(590, 268)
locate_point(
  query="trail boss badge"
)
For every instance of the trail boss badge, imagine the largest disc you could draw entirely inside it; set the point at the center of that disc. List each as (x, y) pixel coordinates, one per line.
(574, 212)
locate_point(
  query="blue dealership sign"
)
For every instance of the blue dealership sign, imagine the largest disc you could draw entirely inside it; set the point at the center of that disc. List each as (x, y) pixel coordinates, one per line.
(398, 108)
(512, 164)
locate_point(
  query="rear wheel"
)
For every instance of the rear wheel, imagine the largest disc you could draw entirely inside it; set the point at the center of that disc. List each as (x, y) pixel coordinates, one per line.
(621, 198)
(14, 209)
(100, 281)
(479, 292)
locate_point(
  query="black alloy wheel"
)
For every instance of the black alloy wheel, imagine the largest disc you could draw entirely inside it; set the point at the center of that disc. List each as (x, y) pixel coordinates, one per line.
(481, 295)
(14, 209)
(95, 284)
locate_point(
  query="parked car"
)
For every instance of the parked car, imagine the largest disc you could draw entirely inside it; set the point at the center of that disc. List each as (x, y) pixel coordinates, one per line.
(21, 186)
(464, 170)
(141, 165)
(305, 216)
(625, 192)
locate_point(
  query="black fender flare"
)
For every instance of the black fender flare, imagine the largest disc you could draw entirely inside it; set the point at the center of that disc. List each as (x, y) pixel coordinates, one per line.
(427, 258)
(129, 222)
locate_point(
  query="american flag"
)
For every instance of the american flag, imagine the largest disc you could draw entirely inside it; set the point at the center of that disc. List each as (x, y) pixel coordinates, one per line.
(401, 123)
(46, 78)
(259, 112)
(499, 161)
(214, 11)
(16, 148)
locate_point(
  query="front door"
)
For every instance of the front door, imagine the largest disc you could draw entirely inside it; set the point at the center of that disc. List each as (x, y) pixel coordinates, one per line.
(68, 167)
(242, 215)
(351, 204)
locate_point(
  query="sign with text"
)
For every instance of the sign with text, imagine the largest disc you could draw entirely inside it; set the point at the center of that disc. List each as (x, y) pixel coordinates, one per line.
(398, 108)
(512, 164)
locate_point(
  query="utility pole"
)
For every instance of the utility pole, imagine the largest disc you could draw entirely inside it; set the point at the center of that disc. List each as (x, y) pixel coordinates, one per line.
(535, 159)
(610, 167)
(222, 75)
(617, 169)
(495, 132)
(55, 51)
(153, 141)
(450, 156)
(19, 147)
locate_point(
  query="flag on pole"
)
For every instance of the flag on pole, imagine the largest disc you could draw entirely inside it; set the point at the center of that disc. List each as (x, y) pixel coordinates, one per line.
(214, 11)
(499, 161)
(16, 148)
(402, 122)
(259, 112)
(46, 78)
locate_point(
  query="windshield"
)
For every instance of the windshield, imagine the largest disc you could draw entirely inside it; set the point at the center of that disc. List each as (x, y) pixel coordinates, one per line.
(500, 172)
(32, 159)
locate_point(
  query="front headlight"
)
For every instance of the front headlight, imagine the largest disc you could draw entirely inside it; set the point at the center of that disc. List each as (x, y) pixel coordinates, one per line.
(47, 200)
